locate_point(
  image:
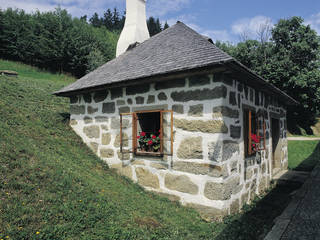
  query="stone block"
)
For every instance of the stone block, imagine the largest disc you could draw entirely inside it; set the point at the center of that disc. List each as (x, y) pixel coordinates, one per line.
(123, 170)
(199, 94)
(222, 191)
(91, 110)
(201, 168)
(101, 119)
(209, 214)
(106, 153)
(92, 131)
(222, 150)
(162, 96)
(211, 126)
(123, 156)
(234, 166)
(262, 185)
(74, 99)
(180, 183)
(235, 207)
(124, 109)
(116, 93)
(251, 95)
(104, 127)
(73, 122)
(77, 109)
(199, 80)
(87, 97)
(160, 166)
(232, 98)
(235, 131)
(190, 148)
(139, 100)
(94, 146)
(109, 107)
(87, 120)
(151, 99)
(257, 99)
(146, 178)
(115, 123)
(100, 96)
(176, 83)
(106, 139)
(196, 110)
(120, 102)
(177, 108)
(137, 89)
(125, 140)
(223, 111)
(129, 101)
(138, 162)
(249, 174)
(229, 148)
(244, 198)
(215, 151)
(171, 197)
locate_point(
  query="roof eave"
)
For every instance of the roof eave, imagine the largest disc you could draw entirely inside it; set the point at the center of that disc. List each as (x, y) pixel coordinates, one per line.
(236, 65)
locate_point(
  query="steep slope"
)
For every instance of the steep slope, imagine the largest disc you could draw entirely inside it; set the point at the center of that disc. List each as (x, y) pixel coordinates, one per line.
(53, 187)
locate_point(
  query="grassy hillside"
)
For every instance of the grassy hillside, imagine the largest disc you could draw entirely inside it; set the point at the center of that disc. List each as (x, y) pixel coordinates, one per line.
(53, 187)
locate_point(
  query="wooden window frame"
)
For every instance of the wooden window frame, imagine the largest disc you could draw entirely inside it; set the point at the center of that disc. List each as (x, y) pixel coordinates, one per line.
(249, 152)
(134, 149)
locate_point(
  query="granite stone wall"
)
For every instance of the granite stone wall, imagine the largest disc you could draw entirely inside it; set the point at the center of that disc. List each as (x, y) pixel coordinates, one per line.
(208, 170)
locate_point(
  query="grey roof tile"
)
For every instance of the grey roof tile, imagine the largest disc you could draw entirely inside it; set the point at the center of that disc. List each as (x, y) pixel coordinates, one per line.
(176, 49)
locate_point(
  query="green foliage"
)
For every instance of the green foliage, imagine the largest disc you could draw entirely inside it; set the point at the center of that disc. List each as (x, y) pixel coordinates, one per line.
(53, 40)
(304, 155)
(154, 26)
(291, 62)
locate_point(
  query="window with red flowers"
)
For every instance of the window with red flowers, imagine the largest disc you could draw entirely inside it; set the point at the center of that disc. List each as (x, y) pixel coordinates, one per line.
(151, 132)
(254, 132)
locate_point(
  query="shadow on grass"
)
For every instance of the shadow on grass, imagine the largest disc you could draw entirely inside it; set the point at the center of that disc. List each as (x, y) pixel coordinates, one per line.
(309, 163)
(65, 117)
(258, 218)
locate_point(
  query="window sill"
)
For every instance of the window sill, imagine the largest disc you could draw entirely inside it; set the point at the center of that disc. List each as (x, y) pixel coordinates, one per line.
(155, 154)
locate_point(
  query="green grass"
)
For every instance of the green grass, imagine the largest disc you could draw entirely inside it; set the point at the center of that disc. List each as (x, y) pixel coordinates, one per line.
(303, 155)
(53, 187)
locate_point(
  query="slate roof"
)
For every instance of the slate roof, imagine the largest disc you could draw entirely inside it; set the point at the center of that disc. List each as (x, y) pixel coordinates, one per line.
(177, 49)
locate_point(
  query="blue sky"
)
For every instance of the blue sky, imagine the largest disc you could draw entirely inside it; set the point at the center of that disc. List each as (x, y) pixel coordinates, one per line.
(222, 20)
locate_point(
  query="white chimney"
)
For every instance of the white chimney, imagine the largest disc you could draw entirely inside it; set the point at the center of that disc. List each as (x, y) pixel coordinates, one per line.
(135, 27)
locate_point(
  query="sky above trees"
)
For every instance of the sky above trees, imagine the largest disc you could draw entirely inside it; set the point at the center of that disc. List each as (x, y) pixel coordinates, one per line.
(221, 20)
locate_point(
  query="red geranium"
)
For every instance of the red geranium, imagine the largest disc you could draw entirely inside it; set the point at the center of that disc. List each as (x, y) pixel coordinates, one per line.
(138, 137)
(150, 142)
(142, 134)
(154, 136)
(255, 138)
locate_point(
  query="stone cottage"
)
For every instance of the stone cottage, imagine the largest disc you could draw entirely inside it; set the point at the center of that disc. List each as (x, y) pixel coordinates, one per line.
(184, 119)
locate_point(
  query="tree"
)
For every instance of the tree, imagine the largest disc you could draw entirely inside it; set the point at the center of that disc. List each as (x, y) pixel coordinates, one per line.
(95, 20)
(166, 25)
(154, 26)
(294, 67)
(108, 19)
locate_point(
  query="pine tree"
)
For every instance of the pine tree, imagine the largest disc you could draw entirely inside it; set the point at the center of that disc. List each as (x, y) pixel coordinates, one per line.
(108, 19)
(95, 20)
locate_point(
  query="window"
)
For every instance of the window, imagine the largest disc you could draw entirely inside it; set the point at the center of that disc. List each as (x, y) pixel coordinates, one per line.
(151, 132)
(254, 132)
